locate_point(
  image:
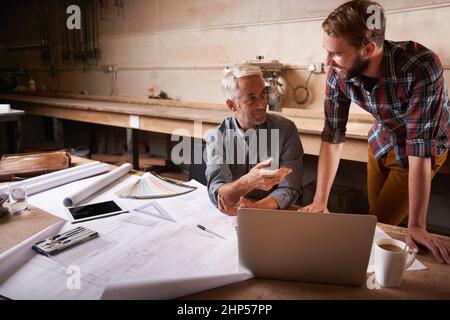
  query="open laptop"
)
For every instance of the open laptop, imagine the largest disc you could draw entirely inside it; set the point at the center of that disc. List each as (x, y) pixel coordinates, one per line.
(311, 247)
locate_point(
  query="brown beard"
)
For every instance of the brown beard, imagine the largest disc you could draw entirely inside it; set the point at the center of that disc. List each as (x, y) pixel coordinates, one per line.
(358, 68)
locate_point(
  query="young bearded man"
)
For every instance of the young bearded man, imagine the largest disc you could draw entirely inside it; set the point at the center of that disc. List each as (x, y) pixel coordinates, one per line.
(401, 84)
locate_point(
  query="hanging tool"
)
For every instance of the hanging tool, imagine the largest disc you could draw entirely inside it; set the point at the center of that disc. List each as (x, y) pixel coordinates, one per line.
(119, 4)
(95, 42)
(102, 9)
(65, 53)
(46, 52)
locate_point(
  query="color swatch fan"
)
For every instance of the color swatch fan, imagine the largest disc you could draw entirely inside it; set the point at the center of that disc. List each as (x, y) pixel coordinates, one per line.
(151, 186)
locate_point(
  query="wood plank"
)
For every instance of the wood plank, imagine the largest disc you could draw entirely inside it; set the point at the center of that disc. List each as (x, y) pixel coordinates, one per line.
(353, 149)
(98, 117)
(132, 100)
(185, 113)
(58, 133)
(176, 127)
(15, 228)
(132, 148)
(168, 116)
(357, 130)
(144, 161)
(319, 114)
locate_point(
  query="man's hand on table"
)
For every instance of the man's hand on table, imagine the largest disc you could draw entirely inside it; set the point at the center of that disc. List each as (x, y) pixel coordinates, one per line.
(418, 235)
(314, 207)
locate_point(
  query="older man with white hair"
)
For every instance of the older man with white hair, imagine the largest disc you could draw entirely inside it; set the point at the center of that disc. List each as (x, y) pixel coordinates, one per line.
(254, 159)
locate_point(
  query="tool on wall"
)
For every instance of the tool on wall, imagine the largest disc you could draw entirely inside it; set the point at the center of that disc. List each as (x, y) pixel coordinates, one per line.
(81, 45)
(271, 72)
(103, 5)
(47, 55)
(119, 4)
(300, 94)
(64, 34)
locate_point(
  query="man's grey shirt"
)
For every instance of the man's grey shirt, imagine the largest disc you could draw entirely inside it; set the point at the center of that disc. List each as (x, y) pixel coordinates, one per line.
(232, 153)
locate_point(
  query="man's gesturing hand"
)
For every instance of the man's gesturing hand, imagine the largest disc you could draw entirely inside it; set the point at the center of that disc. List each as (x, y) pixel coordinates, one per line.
(263, 179)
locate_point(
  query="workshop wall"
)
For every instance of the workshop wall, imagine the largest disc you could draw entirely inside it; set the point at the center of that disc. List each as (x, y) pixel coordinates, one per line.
(180, 47)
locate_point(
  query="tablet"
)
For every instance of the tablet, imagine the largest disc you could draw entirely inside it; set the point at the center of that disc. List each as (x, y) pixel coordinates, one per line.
(94, 211)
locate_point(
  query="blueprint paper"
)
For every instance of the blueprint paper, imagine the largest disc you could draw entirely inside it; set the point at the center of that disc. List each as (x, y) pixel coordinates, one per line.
(169, 288)
(18, 255)
(144, 248)
(141, 254)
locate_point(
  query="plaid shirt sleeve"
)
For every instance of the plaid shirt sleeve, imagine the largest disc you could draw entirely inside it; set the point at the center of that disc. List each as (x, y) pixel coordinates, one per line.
(425, 110)
(337, 106)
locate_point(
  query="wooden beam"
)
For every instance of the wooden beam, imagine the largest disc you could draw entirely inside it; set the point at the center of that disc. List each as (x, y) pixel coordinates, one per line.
(144, 161)
(132, 148)
(170, 116)
(58, 133)
(132, 100)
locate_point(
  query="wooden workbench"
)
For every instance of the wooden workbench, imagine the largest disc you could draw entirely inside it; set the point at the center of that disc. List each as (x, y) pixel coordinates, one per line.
(166, 116)
(433, 283)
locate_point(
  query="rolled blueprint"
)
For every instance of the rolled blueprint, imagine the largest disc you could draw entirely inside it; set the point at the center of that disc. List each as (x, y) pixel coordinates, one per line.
(170, 288)
(61, 177)
(14, 258)
(97, 185)
(70, 177)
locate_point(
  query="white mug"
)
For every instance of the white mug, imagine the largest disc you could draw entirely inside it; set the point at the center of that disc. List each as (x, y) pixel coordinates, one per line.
(391, 264)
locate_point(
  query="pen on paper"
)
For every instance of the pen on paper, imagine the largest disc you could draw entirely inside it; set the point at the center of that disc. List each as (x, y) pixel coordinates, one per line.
(209, 231)
(67, 235)
(75, 236)
(70, 234)
(83, 237)
(63, 236)
(76, 230)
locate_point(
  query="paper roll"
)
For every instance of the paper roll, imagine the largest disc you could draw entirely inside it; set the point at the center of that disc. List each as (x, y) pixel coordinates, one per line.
(15, 257)
(64, 179)
(97, 185)
(60, 177)
(169, 288)
(5, 108)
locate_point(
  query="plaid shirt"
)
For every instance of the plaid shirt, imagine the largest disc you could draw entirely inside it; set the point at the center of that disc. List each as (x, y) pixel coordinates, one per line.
(409, 103)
